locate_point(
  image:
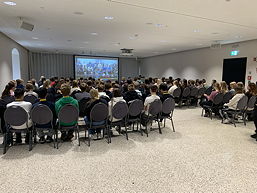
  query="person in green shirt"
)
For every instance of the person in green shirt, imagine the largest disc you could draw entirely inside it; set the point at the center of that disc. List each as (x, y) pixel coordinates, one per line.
(66, 99)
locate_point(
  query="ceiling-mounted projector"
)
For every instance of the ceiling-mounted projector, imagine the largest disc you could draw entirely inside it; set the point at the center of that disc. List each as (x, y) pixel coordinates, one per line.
(25, 25)
(126, 52)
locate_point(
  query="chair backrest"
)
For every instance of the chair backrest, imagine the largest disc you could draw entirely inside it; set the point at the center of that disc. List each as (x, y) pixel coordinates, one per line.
(99, 112)
(41, 114)
(168, 105)
(15, 116)
(251, 102)
(8, 99)
(201, 91)
(227, 96)
(30, 98)
(155, 107)
(82, 106)
(208, 90)
(68, 114)
(177, 93)
(242, 103)
(194, 92)
(186, 92)
(218, 99)
(135, 107)
(120, 110)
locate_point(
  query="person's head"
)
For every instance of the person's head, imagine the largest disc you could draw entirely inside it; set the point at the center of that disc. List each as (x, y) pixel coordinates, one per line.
(19, 81)
(232, 85)
(7, 90)
(131, 87)
(46, 84)
(252, 88)
(175, 82)
(74, 84)
(65, 89)
(100, 88)
(116, 92)
(108, 86)
(84, 87)
(153, 89)
(19, 93)
(29, 87)
(224, 86)
(42, 92)
(213, 82)
(94, 94)
(217, 87)
(239, 90)
(163, 87)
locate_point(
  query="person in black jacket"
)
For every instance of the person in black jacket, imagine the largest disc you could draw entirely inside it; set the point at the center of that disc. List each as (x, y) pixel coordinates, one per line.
(164, 92)
(131, 94)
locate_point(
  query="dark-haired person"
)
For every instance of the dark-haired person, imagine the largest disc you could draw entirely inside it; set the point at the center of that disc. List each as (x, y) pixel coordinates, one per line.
(108, 89)
(19, 83)
(29, 90)
(251, 91)
(19, 95)
(42, 92)
(164, 94)
(75, 87)
(84, 94)
(131, 94)
(9, 90)
(66, 99)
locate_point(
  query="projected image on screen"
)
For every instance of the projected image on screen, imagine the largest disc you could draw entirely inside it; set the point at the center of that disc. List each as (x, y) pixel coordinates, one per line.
(96, 67)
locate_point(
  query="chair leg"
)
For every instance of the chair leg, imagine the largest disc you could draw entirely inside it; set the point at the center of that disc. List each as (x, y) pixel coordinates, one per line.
(164, 122)
(78, 137)
(159, 126)
(234, 119)
(30, 140)
(56, 138)
(172, 124)
(202, 111)
(126, 132)
(140, 127)
(5, 142)
(109, 133)
(146, 131)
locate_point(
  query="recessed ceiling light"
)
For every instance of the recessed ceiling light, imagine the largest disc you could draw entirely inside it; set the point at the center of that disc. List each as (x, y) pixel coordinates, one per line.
(199, 44)
(174, 49)
(117, 44)
(108, 17)
(94, 34)
(160, 25)
(238, 36)
(131, 38)
(9, 3)
(85, 42)
(196, 30)
(34, 38)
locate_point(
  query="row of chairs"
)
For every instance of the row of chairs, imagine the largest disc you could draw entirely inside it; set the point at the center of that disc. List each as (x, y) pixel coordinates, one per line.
(244, 106)
(127, 114)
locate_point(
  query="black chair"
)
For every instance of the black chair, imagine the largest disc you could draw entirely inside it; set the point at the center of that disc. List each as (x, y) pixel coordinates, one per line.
(16, 116)
(193, 96)
(154, 114)
(120, 112)
(208, 90)
(201, 92)
(31, 98)
(168, 107)
(227, 96)
(99, 113)
(250, 107)
(42, 115)
(176, 93)
(134, 113)
(216, 105)
(82, 106)
(185, 96)
(240, 109)
(68, 114)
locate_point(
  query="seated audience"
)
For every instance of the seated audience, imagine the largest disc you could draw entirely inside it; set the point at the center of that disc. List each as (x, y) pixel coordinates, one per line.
(66, 99)
(75, 87)
(131, 94)
(29, 90)
(19, 83)
(108, 89)
(83, 94)
(224, 87)
(19, 95)
(102, 94)
(42, 92)
(173, 87)
(164, 94)
(232, 86)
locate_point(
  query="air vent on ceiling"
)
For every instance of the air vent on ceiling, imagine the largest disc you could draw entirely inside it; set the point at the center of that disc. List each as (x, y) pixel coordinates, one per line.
(216, 45)
(126, 52)
(26, 26)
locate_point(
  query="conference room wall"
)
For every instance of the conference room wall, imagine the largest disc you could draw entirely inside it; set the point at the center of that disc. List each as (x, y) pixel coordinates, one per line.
(50, 65)
(6, 47)
(200, 63)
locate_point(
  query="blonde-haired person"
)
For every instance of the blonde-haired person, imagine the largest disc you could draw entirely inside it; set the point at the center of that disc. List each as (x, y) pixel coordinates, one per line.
(232, 86)
(89, 106)
(224, 87)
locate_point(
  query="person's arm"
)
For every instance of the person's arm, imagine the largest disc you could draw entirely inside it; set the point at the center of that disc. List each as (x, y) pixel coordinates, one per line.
(232, 102)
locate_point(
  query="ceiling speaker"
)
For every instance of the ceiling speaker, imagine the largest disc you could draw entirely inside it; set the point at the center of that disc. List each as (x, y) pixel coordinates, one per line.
(26, 26)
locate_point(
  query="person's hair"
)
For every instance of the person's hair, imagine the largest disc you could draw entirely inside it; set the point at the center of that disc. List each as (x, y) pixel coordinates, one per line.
(19, 93)
(19, 81)
(239, 90)
(29, 87)
(131, 87)
(100, 88)
(65, 89)
(163, 87)
(74, 83)
(42, 92)
(8, 88)
(47, 83)
(252, 88)
(224, 87)
(154, 88)
(176, 83)
(83, 87)
(116, 92)
(94, 94)
(108, 86)
(232, 85)
(216, 86)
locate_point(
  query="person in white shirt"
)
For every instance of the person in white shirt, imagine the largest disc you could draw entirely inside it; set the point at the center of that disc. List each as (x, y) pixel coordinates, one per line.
(114, 100)
(103, 94)
(75, 86)
(232, 104)
(151, 98)
(19, 95)
(29, 90)
(174, 87)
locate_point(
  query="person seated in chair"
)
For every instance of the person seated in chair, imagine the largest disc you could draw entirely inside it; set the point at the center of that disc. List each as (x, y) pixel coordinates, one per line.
(232, 104)
(66, 99)
(131, 94)
(29, 90)
(19, 96)
(147, 103)
(84, 94)
(164, 94)
(42, 92)
(89, 106)
(102, 94)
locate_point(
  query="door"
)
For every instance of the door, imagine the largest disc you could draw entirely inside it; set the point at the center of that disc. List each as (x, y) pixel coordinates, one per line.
(234, 70)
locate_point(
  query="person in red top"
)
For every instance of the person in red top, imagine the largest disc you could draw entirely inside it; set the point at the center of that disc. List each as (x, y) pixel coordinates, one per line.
(209, 98)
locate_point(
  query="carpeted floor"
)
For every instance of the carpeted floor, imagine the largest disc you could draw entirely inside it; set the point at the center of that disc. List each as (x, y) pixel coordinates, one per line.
(203, 155)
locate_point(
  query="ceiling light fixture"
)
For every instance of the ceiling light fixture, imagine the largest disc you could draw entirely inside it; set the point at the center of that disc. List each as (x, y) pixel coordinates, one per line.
(34, 38)
(11, 3)
(108, 18)
(94, 34)
(196, 30)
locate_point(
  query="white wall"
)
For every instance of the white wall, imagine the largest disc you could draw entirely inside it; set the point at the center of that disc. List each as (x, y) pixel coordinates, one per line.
(128, 67)
(6, 46)
(201, 63)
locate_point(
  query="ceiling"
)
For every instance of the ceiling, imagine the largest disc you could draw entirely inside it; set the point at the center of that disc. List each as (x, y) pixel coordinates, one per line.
(150, 27)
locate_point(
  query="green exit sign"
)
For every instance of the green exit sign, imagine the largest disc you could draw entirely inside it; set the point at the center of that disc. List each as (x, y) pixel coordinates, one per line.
(234, 53)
